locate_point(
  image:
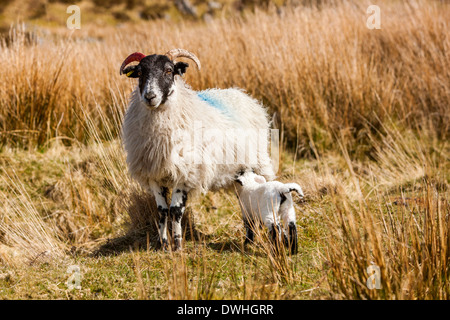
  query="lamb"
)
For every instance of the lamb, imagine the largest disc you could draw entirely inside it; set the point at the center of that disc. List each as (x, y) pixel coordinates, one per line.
(267, 202)
(189, 141)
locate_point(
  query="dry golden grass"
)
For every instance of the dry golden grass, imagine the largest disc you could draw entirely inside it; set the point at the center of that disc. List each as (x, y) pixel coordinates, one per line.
(400, 223)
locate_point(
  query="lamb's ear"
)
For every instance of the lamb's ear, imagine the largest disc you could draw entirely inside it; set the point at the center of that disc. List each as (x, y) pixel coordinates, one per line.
(238, 180)
(180, 68)
(295, 187)
(132, 71)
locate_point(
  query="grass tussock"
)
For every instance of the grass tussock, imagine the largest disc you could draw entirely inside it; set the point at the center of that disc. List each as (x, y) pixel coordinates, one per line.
(402, 231)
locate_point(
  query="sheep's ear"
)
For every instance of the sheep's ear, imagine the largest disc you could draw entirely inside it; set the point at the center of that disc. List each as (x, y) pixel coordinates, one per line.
(132, 71)
(180, 68)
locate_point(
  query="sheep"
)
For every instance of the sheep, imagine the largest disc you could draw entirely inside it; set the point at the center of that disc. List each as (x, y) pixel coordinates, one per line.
(190, 141)
(267, 202)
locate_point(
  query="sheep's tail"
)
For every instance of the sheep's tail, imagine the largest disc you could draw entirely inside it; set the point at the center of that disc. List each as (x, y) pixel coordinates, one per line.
(289, 187)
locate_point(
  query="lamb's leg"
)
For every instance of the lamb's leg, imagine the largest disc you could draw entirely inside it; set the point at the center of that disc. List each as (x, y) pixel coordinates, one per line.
(275, 235)
(271, 221)
(177, 208)
(288, 216)
(160, 196)
(293, 242)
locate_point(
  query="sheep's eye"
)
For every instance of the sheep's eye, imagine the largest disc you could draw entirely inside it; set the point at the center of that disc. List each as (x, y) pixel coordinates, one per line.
(168, 71)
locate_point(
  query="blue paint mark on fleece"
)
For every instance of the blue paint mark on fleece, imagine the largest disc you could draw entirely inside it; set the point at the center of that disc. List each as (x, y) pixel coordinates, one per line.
(213, 101)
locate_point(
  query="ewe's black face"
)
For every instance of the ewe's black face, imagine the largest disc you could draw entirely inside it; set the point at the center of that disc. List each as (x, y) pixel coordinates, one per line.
(156, 75)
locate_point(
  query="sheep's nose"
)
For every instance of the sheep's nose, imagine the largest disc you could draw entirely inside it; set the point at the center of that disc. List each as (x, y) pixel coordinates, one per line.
(149, 96)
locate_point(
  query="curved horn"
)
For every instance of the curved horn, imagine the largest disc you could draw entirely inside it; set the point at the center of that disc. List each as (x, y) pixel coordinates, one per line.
(137, 56)
(175, 53)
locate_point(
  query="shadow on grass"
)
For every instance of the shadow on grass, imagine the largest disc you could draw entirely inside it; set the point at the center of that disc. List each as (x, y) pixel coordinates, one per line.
(226, 246)
(237, 246)
(145, 238)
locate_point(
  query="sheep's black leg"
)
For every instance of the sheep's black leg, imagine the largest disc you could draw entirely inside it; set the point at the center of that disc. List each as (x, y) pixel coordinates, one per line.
(177, 208)
(160, 194)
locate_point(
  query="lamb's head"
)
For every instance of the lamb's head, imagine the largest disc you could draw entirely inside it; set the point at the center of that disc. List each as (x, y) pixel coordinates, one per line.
(157, 73)
(249, 179)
